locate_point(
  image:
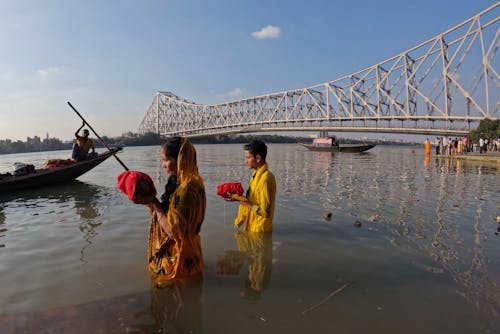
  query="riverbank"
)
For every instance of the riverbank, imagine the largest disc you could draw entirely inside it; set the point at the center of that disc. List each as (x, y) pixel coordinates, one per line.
(490, 157)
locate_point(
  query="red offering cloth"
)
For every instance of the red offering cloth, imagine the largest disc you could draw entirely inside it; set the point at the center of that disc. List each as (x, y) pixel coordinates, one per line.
(136, 185)
(54, 163)
(230, 263)
(227, 189)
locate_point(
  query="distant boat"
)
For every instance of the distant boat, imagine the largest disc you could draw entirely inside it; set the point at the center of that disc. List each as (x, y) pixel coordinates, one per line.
(332, 145)
(48, 176)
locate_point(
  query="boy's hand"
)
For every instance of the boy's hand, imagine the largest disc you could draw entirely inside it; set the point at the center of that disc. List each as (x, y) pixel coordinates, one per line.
(229, 197)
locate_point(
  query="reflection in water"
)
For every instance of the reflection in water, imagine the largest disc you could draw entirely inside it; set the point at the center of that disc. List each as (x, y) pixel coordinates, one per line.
(86, 205)
(125, 314)
(451, 245)
(176, 307)
(423, 210)
(458, 252)
(256, 250)
(2, 221)
(86, 199)
(431, 249)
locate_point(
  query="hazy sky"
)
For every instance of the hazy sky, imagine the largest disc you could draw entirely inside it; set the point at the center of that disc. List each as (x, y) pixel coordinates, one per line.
(109, 57)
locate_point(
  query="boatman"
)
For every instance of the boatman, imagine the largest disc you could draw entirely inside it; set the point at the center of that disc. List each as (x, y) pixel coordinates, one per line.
(256, 210)
(83, 145)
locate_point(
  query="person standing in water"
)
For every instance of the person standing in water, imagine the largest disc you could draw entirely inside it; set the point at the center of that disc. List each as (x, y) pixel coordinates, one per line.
(427, 147)
(256, 212)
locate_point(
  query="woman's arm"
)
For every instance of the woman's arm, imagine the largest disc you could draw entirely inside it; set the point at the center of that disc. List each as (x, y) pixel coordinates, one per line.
(161, 215)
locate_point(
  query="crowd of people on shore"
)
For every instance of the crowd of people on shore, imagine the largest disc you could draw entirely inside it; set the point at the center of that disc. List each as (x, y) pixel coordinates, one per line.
(456, 146)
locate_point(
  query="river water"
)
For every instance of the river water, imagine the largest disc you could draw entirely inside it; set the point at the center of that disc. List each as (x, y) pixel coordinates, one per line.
(411, 247)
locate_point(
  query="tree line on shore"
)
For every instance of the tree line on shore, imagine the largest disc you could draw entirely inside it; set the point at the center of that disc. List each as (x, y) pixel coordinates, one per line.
(487, 129)
(37, 144)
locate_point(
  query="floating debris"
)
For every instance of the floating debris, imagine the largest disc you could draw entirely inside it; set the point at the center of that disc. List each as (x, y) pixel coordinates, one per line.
(357, 223)
(434, 270)
(327, 216)
(325, 299)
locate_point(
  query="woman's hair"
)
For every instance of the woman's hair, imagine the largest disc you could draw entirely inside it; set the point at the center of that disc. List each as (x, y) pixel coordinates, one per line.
(172, 147)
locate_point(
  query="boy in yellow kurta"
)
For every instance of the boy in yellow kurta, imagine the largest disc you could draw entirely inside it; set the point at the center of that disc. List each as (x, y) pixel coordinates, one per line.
(257, 211)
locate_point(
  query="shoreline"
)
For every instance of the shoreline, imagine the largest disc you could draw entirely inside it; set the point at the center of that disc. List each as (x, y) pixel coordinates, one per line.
(491, 157)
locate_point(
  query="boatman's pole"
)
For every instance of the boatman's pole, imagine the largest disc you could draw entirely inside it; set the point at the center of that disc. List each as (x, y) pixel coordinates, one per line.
(102, 141)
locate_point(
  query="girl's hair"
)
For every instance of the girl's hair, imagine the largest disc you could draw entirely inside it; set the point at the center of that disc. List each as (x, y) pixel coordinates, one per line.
(171, 147)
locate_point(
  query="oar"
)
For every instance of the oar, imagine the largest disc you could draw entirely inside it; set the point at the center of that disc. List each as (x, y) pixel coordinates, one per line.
(102, 141)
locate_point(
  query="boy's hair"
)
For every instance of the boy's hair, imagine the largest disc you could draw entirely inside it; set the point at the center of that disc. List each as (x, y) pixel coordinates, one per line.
(257, 147)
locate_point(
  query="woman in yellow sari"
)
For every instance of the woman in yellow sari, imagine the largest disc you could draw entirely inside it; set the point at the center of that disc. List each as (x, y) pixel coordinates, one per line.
(174, 248)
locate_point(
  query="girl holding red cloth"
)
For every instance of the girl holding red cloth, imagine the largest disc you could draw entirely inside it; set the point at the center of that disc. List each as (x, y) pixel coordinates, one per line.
(174, 247)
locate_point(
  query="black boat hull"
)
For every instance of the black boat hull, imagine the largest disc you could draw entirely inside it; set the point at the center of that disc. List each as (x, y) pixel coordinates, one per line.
(350, 148)
(49, 176)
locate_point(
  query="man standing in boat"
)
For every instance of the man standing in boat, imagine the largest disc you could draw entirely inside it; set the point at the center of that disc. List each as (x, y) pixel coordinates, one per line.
(83, 145)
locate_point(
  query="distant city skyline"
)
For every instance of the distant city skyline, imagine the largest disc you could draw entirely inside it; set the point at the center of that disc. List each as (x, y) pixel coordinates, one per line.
(110, 57)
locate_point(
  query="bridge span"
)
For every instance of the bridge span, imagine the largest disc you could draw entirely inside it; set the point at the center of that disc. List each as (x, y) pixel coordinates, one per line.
(443, 86)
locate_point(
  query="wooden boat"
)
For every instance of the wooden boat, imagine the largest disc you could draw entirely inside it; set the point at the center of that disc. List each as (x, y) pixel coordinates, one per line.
(49, 176)
(332, 145)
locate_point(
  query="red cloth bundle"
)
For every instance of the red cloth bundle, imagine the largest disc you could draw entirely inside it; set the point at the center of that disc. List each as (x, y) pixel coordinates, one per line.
(230, 188)
(54, 163)
(230, 263)
(137, 186)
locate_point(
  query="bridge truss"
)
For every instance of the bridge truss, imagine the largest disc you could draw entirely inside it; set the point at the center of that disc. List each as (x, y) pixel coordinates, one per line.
(444, 85)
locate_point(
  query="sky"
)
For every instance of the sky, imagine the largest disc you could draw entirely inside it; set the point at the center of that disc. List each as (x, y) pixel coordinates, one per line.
(109, 57)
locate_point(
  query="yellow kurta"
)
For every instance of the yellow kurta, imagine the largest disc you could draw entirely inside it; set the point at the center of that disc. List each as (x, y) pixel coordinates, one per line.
(262, 194)
(180, 256)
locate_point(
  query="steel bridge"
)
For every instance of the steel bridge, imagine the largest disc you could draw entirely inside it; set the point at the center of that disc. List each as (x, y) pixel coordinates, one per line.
(443, 86)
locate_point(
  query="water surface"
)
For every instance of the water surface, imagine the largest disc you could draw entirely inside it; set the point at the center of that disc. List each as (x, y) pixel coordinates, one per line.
(411, 247)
